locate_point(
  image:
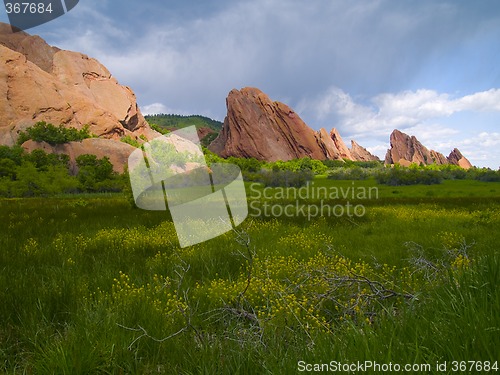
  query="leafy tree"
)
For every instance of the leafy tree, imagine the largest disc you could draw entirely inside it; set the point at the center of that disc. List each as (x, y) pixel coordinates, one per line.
(8, 168)
(353, 173)
(95, 174)
(43, 160)
(43, 132)
(15, 153)
(408, 176)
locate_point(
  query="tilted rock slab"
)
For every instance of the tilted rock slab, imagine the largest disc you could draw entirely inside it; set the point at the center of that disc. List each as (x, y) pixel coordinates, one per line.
(406, 150)
(256, 126)
(360, 153)
(457, 158)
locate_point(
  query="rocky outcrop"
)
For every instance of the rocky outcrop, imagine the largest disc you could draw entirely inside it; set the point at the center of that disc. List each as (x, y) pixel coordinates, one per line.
(117, 152)
(343, 151)
(43, 83)
(257, 127)
(406, 150)
(457, 158)
(328, 145)
(438, 158)
(359, 153)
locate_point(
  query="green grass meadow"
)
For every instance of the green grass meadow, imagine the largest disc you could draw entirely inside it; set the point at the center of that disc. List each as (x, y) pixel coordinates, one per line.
(90, 285)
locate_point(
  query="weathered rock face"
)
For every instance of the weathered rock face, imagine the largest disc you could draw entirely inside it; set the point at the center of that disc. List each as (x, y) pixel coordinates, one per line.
(328, 145)
(117, 152)
(42, 83)
(257, 127)
(438, 158)
(457, 158)
(359, 153)
(343, 151)
(406, 150)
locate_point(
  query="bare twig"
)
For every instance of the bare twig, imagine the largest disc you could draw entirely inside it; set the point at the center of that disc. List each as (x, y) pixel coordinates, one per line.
(146, 334)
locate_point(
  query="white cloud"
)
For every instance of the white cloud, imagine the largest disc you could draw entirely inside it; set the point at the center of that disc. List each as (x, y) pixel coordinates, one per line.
(155, 108)
(484, 140)
(404, 110)
(424, 113)
(480, 101)
(160, 108)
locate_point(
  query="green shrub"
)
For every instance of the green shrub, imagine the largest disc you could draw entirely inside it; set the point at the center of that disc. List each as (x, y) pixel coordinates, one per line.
(159, 129)
(43, 132)
(247, 164)
(295, 165)
(485, 175)
(354, 173)
(131, 141)
(42, 160)
(14, 153)
(29, 181)
(96, 174)
(408, 176)
(8, 168)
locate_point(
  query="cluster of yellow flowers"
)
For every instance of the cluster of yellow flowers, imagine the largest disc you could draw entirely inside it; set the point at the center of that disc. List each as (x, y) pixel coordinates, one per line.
(159, 297)
(20, 221)
(451, 240)
(302, 243)
(31, 247)
(419, 213)
(460, 263)
(118, 240)
(312, 293)
(488, 216)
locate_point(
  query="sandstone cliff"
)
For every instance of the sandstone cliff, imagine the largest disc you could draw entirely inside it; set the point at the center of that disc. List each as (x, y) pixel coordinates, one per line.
(360, 153)
(406, 150)
(343, 151)
(457, 158)
(43, 83)
(256, 126)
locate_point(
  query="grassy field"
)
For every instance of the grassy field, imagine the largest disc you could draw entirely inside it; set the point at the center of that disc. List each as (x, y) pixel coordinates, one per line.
(91, 285)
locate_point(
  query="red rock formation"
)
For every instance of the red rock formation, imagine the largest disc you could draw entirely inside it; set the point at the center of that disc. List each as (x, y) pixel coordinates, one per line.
(359, 153)
(457, 158)
(42, 83)
(438, 158)
(406, 150)
(344, 152)
(255, 126)
(327, 143)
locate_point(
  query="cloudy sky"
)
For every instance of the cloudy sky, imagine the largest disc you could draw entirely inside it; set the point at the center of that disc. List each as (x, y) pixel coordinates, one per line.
(429, 68)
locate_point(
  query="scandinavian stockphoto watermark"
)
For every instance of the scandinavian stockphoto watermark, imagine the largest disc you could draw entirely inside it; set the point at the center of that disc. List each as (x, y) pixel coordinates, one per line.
(203, 202)
(25, 14)
(311, 201)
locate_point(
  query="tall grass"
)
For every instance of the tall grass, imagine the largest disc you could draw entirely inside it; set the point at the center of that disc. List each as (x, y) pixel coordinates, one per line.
(90, 285)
